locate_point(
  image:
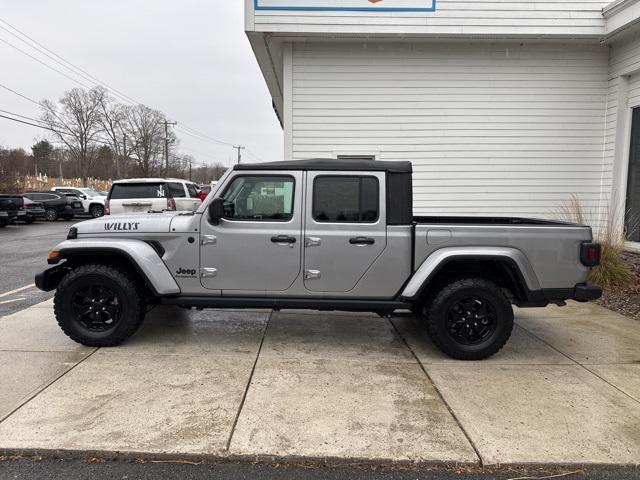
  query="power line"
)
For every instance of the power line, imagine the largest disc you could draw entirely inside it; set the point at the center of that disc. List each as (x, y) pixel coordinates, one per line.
(254, 155)
(43, 63)
(19, 94)
(28, 123)
(62, 61)
(45, 127)
(183, 128)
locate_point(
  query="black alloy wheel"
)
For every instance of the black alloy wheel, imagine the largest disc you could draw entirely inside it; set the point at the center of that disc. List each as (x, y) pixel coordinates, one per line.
(471, 320)
(51, 215)
(97, 307)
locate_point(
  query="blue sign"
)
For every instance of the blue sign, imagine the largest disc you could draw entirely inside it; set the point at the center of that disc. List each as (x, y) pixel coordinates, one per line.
(347, 5)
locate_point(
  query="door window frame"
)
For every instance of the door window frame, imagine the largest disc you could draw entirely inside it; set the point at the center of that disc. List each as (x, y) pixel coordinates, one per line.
(270, 220)
(341, 175)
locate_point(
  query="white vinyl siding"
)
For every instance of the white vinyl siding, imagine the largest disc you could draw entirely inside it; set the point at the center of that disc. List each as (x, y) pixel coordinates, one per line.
(452, 17)
(491, 129)
(624, 93)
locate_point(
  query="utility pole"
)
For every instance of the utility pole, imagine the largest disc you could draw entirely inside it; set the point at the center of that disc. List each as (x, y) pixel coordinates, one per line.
(239, 147)
(166, 145)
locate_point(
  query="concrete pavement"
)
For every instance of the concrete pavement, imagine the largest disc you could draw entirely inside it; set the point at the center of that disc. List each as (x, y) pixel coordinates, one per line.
(336, 387)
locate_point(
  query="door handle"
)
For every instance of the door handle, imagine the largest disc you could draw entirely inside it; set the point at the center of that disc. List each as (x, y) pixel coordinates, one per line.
(361, 241)
(284, 239)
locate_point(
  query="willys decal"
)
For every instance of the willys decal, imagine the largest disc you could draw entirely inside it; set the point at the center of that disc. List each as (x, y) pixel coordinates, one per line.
(121, 226)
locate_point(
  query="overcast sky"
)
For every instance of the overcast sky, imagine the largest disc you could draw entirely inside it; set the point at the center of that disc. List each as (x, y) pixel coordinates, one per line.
(188, 58)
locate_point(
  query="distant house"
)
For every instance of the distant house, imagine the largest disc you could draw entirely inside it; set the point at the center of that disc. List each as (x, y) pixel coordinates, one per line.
(504, 107)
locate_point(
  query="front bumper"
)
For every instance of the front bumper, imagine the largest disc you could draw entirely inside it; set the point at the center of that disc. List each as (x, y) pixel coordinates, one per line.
(48, 279)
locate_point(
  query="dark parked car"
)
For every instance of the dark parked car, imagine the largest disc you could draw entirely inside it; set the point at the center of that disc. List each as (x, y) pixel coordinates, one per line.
(11, 209)
(57, 205)
(34, 210)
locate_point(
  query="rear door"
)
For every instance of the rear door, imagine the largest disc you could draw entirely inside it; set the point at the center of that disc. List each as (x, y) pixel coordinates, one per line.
(345, 229)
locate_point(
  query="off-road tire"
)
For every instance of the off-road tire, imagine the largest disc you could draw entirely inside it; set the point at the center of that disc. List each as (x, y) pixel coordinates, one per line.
(51, 215)
(96, 211)
(437, 311)
(131, 304)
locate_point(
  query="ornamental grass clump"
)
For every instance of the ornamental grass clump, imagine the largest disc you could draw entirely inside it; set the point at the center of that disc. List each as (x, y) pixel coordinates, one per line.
(612, 271)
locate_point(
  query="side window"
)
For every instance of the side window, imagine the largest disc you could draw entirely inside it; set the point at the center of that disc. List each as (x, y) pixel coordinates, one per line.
(350, 199)
(193, 191)
(176, 190)
(256, 197)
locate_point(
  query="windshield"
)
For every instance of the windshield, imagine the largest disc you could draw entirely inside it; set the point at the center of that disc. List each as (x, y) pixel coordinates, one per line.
(90, 192)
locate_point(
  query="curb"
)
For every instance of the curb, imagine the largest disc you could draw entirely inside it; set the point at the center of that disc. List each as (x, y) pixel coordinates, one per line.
(299, 461)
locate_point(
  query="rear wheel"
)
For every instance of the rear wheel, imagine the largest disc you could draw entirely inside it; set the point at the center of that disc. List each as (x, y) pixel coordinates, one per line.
(98, 305)
(51, 214)
(29, 219)
(469, 319)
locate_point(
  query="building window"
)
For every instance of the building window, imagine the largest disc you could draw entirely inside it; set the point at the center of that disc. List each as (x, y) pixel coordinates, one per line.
(345, 199)
(632, 208)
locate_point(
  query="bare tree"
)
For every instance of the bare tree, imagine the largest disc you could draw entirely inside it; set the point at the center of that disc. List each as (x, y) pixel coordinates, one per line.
(146, 126)
(76, 123)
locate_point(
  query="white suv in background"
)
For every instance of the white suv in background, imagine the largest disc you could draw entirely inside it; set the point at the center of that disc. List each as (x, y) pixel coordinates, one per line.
(92, 201)
(152, 194)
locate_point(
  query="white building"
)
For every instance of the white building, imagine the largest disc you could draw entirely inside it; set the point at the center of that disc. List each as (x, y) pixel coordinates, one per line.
(505, 107)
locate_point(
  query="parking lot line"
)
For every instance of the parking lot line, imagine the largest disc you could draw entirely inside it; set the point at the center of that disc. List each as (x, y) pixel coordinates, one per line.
(12, 300)
(11, 292)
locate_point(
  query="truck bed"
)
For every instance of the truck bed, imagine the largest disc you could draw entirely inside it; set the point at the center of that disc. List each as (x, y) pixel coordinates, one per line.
(551, 247)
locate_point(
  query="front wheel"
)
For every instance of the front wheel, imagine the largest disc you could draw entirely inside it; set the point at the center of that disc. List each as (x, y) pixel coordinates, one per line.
(470, 319)
(98, 305)
(96, 211)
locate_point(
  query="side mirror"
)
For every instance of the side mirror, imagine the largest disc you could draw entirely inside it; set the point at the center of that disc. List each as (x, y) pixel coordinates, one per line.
(84, 197)
(216, 210)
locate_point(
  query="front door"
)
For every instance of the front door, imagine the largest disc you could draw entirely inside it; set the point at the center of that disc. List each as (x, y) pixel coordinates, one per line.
(632, 209)
(345, 229)
(257, 245)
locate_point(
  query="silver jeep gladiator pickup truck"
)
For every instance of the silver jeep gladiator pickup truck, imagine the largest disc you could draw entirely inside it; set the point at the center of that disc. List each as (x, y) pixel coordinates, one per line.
(324, 235)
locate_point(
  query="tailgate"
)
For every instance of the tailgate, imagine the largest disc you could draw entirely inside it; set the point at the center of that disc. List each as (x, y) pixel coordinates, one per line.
(141, 205)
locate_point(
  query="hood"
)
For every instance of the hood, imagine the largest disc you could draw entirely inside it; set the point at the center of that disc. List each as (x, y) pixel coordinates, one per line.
(128, 223)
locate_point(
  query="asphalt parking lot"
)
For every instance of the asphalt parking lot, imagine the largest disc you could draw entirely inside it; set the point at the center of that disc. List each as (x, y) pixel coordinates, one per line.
(23, 252)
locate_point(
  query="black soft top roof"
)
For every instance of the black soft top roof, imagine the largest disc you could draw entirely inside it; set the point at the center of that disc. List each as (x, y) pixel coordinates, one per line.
(330, 164)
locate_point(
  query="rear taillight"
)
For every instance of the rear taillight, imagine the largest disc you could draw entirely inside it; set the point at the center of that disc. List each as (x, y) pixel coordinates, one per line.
(106, 208)
(171, 204)
(590, 254)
